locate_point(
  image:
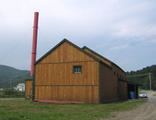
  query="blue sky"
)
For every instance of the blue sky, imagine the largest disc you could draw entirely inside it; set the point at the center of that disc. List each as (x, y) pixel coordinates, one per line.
(122, 30)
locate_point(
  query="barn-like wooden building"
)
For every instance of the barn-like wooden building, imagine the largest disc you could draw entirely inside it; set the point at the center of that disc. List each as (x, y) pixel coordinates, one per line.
(28, 88)
(70, 74)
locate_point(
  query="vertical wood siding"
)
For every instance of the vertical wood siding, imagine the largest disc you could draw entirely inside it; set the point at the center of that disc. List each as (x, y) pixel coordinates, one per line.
(66, 53)
(108, 85)
(122, 90)
(113, 82)
(120, 76)
(55, 80)
(28, 88)
(111, 88)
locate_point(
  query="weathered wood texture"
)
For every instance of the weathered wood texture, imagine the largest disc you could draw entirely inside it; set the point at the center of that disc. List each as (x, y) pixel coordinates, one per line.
(113, 84)
(112, 80)
(99, 81)
(108, 84)
(122, 90)
(66, 53)
(28, 89)
(120, 76)
(55, 80)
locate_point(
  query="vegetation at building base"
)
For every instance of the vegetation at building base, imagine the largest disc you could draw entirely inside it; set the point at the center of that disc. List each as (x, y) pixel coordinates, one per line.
(17, 109)
(141, 77)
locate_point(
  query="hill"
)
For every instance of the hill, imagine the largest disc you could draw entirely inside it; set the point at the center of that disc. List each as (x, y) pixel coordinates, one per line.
(9, 76)
(142, 77)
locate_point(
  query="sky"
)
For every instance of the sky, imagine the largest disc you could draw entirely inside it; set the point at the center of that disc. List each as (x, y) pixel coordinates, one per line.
(124, 31)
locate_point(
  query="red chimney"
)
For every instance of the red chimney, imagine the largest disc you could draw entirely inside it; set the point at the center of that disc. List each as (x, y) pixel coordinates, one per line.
(34, 43)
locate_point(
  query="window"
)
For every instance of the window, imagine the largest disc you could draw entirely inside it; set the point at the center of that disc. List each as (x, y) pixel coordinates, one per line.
(77, 69)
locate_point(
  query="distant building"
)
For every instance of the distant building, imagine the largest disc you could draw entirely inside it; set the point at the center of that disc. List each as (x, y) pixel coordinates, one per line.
(1, 89)
(20, 87)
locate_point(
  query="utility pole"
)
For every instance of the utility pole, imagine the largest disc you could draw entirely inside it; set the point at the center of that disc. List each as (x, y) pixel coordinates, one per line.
(150, 81)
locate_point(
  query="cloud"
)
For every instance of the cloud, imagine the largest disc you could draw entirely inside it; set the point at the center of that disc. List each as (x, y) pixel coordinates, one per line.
(121, 47)
(109, 27)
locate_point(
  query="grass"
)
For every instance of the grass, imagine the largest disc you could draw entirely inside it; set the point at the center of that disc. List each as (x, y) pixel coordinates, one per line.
(19, 109)
(154, 94)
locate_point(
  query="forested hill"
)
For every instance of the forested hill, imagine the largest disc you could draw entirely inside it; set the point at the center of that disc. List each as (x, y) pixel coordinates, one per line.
(9, 76)
(142, 76)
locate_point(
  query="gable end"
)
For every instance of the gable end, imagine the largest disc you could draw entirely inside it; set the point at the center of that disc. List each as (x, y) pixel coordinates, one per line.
(63, 41)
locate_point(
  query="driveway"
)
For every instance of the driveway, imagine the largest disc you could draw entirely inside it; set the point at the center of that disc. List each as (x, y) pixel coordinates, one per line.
(144, 112)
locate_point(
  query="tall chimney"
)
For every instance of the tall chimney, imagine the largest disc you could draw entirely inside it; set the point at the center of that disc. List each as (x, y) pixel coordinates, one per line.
(34, 48)
(34, 43)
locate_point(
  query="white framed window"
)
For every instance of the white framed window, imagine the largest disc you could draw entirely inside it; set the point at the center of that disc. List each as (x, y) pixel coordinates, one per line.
(77, 69)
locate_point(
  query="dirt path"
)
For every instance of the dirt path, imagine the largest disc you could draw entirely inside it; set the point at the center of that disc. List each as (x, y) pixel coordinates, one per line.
(144, 112)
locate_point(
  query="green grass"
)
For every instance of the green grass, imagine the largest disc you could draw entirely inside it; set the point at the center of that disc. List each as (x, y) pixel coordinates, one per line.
(19, 109)
(154, 94)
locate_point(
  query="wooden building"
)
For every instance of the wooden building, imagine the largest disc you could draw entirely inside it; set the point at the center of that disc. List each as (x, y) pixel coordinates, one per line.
(70, 74)
(28, 88)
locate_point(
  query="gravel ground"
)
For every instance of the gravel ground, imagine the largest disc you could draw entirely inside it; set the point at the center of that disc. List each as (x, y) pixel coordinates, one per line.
(146, 111)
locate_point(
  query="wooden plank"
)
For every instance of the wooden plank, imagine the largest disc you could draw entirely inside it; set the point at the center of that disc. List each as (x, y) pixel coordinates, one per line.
(55, 77)
(66, 52)
(63, 74)
(28, 89)
(87, 94)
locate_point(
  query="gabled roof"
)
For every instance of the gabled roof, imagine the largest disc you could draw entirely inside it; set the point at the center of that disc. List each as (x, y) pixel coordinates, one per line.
(86, 50)
(98, 56)
(64, 40)
(105, 60)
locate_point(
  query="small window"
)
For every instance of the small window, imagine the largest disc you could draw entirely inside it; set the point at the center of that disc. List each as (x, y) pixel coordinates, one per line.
(77, 69)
